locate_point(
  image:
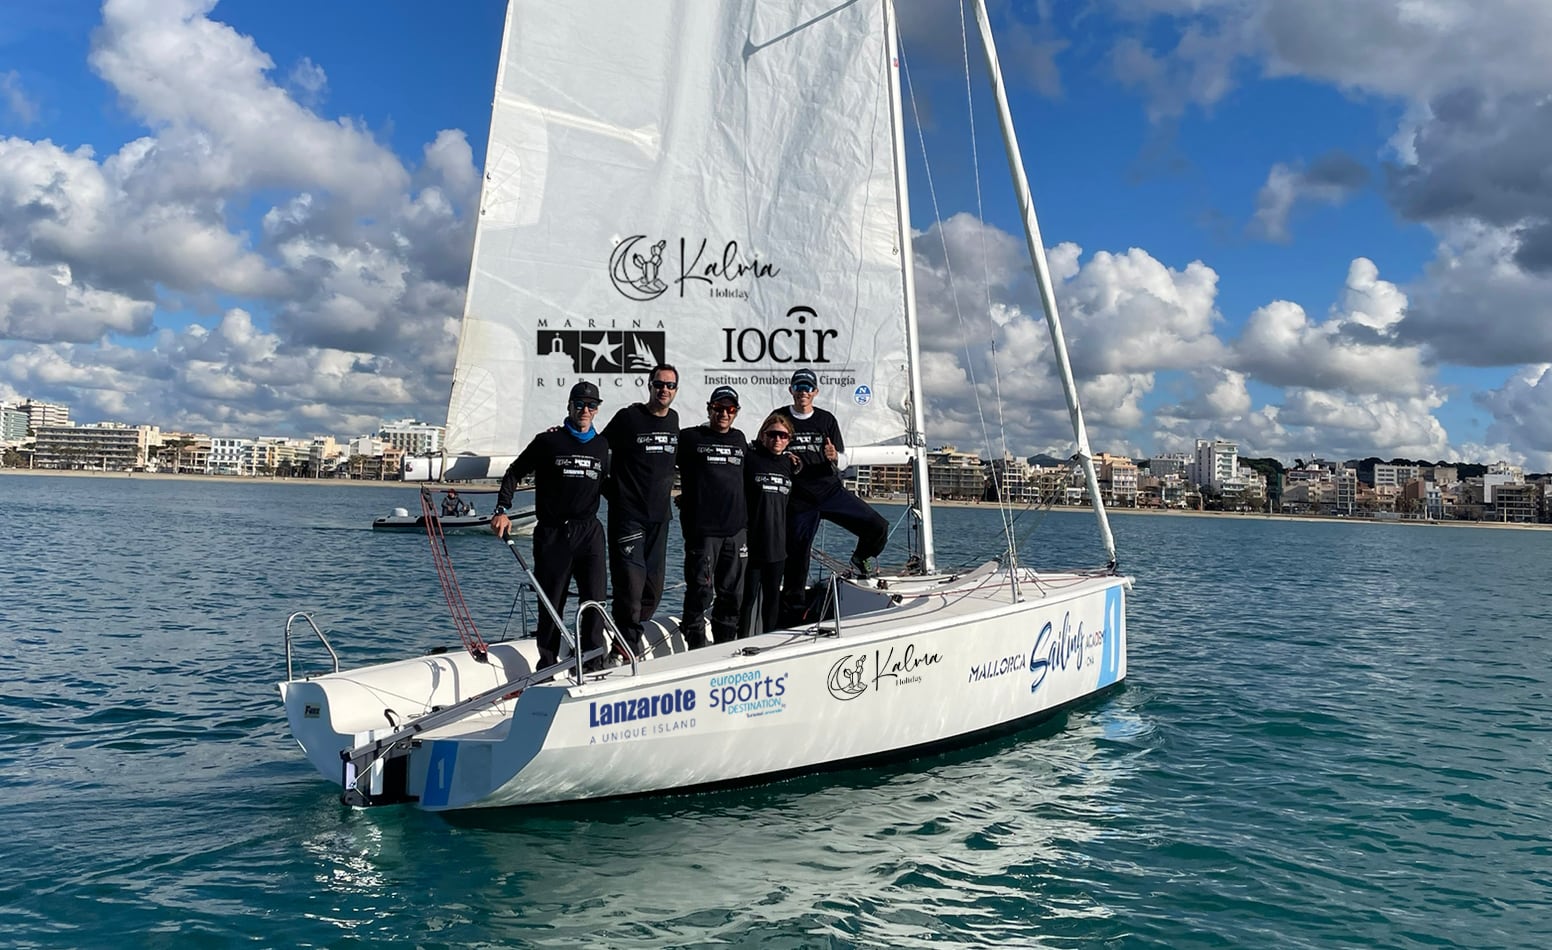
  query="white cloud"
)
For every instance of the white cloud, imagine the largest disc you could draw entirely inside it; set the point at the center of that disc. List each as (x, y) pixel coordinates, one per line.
(1352, 351)
(15, 99)
(1522, 416)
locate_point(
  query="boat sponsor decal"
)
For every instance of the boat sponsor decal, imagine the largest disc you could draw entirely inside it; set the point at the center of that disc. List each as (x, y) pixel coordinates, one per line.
(642, 716)
(311, 711)
(1058, 650)
(749, 693)
(855, 673)
(602, 351)
(862, 395)
(992, 669)
(641, 271)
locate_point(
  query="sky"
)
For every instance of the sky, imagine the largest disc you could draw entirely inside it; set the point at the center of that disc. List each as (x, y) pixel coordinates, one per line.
(1318, 228)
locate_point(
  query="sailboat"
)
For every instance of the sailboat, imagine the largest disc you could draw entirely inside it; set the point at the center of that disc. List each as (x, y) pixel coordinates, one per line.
(719, 186)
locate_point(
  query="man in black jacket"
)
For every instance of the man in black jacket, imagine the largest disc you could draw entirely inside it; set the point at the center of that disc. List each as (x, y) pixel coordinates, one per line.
(569, 464)
(714, 518)
(817, 492)
(642, 440)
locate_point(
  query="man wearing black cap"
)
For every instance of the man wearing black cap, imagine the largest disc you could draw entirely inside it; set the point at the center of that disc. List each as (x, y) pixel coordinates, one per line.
(569, 464)
(714, 519)
(643, 438)
(817, 492)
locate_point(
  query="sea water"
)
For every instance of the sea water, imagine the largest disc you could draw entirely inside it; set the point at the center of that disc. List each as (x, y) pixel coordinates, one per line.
(1332, 735)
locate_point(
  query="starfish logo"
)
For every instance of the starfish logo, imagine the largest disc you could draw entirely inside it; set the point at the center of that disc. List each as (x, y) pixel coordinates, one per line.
(596, 352)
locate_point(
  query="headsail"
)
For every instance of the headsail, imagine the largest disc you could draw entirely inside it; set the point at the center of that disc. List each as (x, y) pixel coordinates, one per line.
(705, 184)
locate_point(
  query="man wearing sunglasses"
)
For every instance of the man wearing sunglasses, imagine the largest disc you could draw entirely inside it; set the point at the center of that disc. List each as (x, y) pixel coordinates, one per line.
(643, 438)
(714, 520)
(569, 464)
(818, 493)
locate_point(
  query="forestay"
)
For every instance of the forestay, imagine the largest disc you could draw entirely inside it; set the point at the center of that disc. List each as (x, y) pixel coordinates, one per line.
(705, 184)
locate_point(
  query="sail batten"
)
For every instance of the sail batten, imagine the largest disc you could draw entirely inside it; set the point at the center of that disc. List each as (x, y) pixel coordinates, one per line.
(707, 185)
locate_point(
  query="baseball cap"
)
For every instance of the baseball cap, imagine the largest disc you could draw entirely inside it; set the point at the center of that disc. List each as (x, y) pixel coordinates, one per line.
(805, 377)
(724, 394)
(584, 390)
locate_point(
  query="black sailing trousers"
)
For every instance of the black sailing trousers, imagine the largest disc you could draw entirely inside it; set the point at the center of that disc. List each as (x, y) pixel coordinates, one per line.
(570, 549)
(638, 556)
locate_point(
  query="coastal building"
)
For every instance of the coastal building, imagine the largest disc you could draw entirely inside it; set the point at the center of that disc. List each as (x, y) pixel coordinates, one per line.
(41, 414)
(956, 475)
(1346, 484)
(412, 437)
(1173, 463)
(1394, 476)
(184, 453)
(1117, 479)
(879, 481)
(100, 446)
(323, 455)
(1215, 462)
(227, 456)
(1012, 481)
(13, 426)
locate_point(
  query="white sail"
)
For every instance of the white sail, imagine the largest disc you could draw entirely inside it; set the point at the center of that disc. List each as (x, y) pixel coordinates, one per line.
(704, 184)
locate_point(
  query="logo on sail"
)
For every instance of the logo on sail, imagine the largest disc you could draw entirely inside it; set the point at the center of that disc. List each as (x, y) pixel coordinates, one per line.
(605, 351)
(636, 268)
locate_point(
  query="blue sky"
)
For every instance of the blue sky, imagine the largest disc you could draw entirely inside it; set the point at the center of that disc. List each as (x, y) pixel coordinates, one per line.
(1314, 227)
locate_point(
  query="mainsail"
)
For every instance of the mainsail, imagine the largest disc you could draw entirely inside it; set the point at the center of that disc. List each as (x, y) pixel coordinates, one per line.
(704, 184)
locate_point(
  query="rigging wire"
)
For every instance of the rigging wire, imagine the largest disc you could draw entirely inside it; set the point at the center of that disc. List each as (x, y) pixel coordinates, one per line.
(1002, 506)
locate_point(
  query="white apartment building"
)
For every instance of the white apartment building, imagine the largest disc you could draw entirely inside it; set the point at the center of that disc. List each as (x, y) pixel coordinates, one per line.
(1346, 482)
(412, 437)
(41, 414)
(101, 446)
(1394, 476)
(1216, 461)
(227, 456)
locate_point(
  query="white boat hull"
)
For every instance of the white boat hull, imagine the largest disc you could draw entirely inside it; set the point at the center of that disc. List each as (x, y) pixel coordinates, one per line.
(904, 672)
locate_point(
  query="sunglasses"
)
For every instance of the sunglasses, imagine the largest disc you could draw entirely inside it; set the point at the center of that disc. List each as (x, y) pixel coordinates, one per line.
(664, 384)
(724, 410)
(777, 434)
(802, 388)
(591, 405)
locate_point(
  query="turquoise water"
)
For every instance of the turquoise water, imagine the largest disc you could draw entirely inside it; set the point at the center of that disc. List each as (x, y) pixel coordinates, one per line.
(1332, 735)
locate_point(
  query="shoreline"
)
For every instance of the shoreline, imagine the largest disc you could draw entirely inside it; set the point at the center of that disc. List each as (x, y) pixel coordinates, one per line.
(1147, 512)
(1182, 513)
(224, 479)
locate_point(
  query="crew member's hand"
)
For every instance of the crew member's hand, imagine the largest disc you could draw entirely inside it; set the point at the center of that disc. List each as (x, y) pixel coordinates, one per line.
(797, 463)
(830, 450)
(499, 524)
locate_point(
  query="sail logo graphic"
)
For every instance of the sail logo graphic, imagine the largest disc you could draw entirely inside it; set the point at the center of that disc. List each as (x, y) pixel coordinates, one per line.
(863, 395)
(605, 351)
(637, 270)
(634, 273)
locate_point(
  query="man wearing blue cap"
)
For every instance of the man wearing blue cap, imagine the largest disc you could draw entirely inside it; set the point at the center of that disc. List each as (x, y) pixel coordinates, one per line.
(818, 493)
(714, 519)
(569, 464)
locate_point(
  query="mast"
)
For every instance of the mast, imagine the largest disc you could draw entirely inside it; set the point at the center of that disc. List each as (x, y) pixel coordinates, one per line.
(1043, 276)
(916, 434)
